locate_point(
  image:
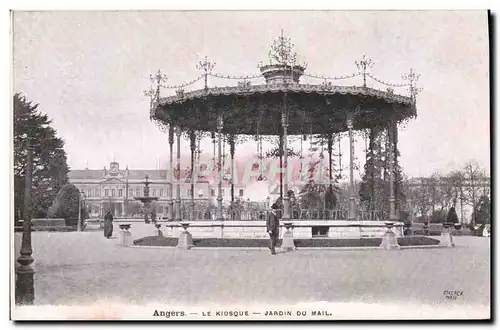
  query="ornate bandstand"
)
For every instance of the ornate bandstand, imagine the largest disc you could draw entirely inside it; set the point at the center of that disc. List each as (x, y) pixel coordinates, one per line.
(276, 106)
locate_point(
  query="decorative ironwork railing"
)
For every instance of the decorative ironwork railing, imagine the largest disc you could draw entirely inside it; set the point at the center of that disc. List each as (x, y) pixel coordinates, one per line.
(211, 213)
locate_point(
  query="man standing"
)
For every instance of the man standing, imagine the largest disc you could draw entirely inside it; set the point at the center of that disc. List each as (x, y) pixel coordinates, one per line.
(273, 225)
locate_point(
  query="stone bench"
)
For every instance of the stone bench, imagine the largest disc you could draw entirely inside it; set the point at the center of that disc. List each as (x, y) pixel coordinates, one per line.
(50, 225)
(94, 224)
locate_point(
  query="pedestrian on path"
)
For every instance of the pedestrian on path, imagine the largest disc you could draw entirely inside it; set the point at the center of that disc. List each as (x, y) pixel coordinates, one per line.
(273, 224)
(108, 224)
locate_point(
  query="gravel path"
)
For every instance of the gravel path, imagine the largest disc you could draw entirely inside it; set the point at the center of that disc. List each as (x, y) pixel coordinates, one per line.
(80, 268)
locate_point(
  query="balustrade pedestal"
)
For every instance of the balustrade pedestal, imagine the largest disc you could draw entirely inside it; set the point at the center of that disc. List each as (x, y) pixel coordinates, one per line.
(218, 229)
(389, 240)
(287, 243)
(185, 241)
(158, 231)
(125, 235)
(446, 236)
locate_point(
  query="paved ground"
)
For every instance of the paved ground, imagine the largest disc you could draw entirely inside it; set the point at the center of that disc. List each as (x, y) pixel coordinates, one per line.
(81, 268)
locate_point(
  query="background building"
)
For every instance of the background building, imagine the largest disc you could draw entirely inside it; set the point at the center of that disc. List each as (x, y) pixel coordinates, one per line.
(115, 189)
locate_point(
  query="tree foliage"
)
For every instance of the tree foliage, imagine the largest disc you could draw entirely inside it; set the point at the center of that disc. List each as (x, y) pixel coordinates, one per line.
(375, 183)
(372, 186)
(312, 194)
(482, 211)
(50, 169)
(431, 195)
(133, 208)
(452, 216)
(437, 216)
(474, 175)
(66, 205)
(315, 193)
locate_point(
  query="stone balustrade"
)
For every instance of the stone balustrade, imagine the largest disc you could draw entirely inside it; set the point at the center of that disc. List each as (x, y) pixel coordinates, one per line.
(257, 229)
(187, 213)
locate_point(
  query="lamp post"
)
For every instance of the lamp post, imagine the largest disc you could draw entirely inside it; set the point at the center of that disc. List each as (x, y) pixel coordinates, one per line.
(363, 65)
(206, 67)
(25, 292)
(84, 200)
(81, 202)
(78, 224)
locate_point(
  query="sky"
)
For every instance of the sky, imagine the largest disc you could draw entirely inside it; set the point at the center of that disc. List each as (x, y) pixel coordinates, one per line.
(88, 70)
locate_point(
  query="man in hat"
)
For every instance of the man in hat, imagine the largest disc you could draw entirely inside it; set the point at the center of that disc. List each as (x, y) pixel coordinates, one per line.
(273, 224)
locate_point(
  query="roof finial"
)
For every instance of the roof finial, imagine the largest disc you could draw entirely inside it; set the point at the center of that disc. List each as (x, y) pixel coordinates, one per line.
(281, 51)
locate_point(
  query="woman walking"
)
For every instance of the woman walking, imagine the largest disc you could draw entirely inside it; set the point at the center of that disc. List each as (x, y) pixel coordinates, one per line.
(108, 224)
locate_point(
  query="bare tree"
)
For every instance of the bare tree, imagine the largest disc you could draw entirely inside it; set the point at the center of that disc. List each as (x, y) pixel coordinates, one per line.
(418, 196)
(474, 177)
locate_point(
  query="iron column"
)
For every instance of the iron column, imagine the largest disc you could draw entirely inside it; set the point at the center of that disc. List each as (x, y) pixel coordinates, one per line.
(171, 130)
(25, 291)
(286, 200)
(330, 170)
(397, 205)
(352, 199)
(178, 199)
(231, 151)
(220, 123)
(392, 199)
(192, 145)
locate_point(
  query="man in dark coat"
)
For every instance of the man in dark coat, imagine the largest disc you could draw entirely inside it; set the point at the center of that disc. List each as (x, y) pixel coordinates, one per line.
(108, 224)
(273, 224)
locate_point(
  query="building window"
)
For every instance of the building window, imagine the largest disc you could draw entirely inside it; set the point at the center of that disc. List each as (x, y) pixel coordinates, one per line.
(89, 193)
(97, 192)
(222, 193)
(138, 192)
(106, 192)
(189, 192)
(241, 192)
(120, 192)
(212, 192)
(161, 192)
(154, 192)
(113, 192)
(131, 192)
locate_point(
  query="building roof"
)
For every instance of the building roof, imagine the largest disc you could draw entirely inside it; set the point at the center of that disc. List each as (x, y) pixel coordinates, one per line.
(139, 175)
(115, 171)
(132, 174)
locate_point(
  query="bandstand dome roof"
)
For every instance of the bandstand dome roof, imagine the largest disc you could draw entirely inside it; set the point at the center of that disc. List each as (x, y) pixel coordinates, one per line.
(249, 109)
